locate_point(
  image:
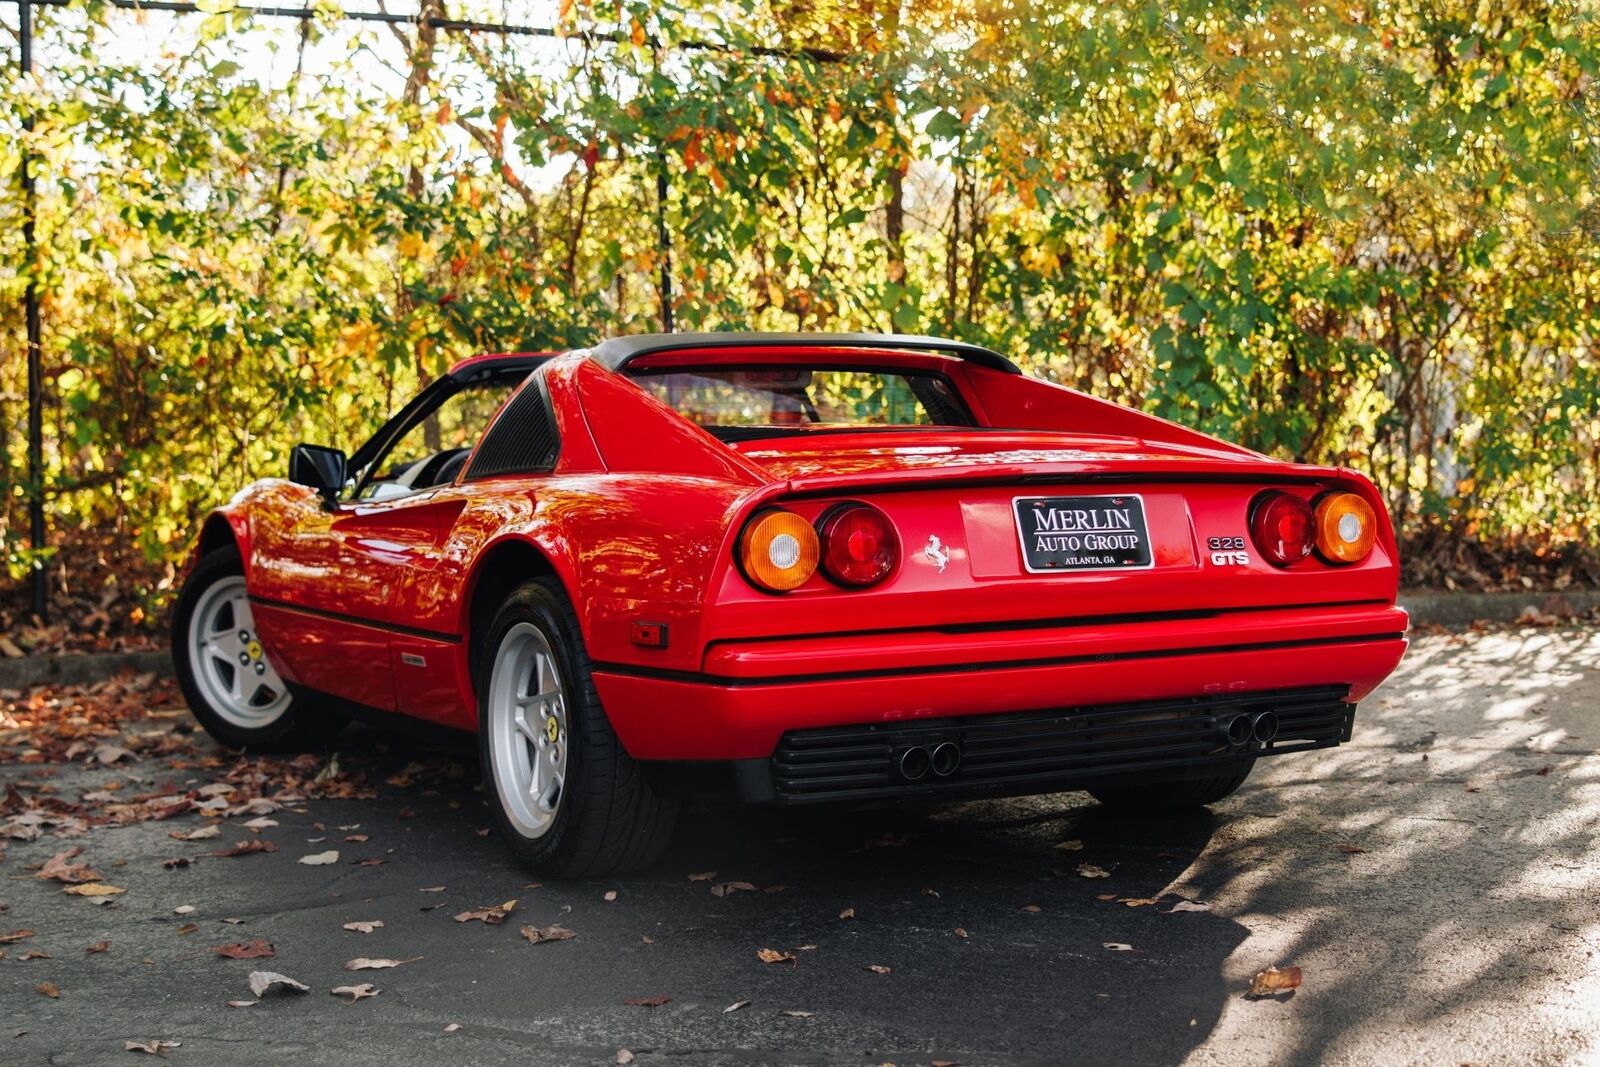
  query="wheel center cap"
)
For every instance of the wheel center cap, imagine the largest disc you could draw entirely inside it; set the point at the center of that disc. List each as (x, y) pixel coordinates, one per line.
(253, 650)
(552, 729)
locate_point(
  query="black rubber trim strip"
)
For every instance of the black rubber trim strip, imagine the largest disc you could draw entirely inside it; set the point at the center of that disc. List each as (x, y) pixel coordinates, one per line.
(701, 678)
(339, 616)
(618, 352)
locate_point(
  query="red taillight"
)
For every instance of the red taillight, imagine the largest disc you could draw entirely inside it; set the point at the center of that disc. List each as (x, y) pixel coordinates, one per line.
(859, 547)
(1283, 528)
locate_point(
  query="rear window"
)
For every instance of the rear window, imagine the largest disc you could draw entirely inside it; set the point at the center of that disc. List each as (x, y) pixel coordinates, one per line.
(764, 400)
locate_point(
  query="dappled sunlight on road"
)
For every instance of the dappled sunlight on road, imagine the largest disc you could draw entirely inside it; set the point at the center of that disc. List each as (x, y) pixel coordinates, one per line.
(1468, 811)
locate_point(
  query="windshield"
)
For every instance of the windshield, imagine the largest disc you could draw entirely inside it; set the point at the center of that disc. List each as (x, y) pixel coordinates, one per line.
(735, 401)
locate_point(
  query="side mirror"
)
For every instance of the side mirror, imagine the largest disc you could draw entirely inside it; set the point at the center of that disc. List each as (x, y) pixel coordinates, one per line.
(323, 469)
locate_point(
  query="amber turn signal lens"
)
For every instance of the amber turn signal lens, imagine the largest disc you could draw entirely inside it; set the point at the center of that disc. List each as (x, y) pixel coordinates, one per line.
(779, 551)
(1346, 528)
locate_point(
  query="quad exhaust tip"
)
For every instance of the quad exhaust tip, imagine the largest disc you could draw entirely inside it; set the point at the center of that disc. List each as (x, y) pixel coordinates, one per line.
(1264, 727)
(943, 760)
(915, 762)
(946, 758)
(1243, 730)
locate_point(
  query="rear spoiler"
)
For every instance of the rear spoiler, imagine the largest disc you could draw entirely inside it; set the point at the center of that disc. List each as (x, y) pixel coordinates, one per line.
(617, 353)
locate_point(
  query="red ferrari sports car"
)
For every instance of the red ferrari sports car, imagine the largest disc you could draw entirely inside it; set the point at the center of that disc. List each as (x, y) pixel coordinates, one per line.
(822, 568)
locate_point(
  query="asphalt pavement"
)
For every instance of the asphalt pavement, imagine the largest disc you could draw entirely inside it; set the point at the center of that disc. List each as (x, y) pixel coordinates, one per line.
(1437, 882)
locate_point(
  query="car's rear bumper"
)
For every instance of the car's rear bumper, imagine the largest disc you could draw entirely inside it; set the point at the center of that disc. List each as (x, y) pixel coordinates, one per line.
(753, 693)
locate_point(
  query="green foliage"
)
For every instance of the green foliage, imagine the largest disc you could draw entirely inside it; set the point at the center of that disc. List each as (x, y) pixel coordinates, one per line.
(1361, 234)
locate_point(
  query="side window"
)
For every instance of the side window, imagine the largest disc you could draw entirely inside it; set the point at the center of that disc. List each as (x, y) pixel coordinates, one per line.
(433, 447)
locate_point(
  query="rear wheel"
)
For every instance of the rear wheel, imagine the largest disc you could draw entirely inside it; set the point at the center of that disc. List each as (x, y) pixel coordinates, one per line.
(223, 668)
(1174, 794)
(565, 796)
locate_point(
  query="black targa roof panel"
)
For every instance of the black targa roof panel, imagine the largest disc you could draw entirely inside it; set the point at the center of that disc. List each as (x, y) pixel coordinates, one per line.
(618, 352)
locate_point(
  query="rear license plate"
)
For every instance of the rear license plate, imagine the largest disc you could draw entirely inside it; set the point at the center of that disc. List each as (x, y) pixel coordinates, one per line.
(1082, 533)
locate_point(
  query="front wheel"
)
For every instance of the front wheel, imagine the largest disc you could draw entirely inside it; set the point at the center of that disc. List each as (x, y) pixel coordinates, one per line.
(565, 796)
(1174, 795)
(223, 669)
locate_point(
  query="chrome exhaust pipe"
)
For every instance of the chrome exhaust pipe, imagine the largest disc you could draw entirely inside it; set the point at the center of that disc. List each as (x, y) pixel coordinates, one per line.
(1236, 731)
(914, 763)
(946, 758)
(1264, 727)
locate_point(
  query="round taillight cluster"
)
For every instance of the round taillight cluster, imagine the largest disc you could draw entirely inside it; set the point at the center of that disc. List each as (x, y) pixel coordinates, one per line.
(854, 544)
(859, 547)
(1281, 526)
(1341, 527)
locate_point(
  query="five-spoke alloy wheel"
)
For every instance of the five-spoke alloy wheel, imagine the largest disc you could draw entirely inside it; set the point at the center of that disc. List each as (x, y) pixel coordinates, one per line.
(564, 794)
(226, 674)
(528, 729)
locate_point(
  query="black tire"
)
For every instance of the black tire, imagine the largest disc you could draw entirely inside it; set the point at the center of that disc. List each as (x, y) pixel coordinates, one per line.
(301, 726)
(1180, 794)
(608, 819)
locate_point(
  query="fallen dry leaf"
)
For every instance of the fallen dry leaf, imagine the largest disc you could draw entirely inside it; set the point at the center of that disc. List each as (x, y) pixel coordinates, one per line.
(1190, 905)
(205, 833)
(154, 1048)
(848, 913)
(247, 950)
(98, 947)
(624, 1056)
(93, 889)
(260, 823)
(1117, 946)
(356, 992)
(15, 936)
(1274, 980)
(35, 954)
(49, 989)
(961, 931)
(703, 876)
(361, 963)
(646, 1002)
(264, 982)
(1351, 850)
(1140, 902)
(490, 916)
(244, 848)
(1033, 909)
(451, 1028)
(1071, 846)
(1089, 870)
(735, 1006)
(537, 934)
(798, 1014)
(610, 895)
(188, 928)
(722, 889)
(320, 859)
(772, 955)
(243, 1003)
(432, 889)
(359, 839)
(60, 868)
(364, 927)
(878, 968)
(184, 909)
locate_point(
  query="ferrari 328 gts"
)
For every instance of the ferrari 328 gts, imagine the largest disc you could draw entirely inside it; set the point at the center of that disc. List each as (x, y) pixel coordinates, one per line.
(819, 568)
